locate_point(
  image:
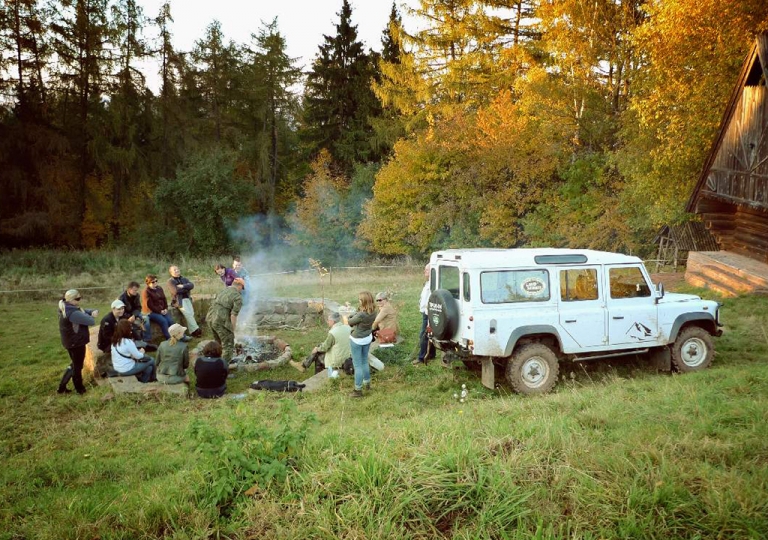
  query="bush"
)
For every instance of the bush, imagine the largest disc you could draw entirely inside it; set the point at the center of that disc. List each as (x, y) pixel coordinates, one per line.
(247, 454)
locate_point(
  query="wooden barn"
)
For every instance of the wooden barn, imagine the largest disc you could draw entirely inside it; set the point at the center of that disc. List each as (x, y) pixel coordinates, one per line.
(731, 194)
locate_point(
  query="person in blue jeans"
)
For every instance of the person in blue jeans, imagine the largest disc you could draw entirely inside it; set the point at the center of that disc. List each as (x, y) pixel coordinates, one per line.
(360, 341)
(154, 304)
(126, 358)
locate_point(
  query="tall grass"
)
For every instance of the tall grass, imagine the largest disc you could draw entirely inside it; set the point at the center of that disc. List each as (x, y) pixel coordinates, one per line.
(617, 451)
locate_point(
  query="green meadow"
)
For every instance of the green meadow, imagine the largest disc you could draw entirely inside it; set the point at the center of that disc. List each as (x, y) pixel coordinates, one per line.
(617, 451)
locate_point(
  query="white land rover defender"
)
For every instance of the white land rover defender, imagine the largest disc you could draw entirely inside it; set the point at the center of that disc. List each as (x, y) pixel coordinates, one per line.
(523, 310)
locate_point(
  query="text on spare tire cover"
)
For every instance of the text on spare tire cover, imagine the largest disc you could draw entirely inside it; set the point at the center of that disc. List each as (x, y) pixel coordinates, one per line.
(438, 309)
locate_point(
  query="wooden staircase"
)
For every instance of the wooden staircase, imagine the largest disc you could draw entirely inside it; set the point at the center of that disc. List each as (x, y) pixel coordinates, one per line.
(728, 273)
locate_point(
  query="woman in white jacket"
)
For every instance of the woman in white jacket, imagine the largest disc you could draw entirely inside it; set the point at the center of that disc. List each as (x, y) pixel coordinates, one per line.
(126, 358)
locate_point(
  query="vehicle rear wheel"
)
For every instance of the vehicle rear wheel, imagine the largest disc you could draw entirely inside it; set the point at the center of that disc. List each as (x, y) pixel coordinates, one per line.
(693, 350)
(532, 369)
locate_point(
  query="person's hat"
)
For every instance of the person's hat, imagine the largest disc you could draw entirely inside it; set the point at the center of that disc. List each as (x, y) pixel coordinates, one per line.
(382, 296)
(176, 329)
(71, 294)
(117, 304)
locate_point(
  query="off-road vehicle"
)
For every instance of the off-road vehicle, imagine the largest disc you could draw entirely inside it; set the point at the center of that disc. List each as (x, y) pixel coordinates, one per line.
(525, 310)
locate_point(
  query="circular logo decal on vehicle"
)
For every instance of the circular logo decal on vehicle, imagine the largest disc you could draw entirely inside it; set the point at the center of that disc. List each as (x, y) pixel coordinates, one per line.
(532, 286)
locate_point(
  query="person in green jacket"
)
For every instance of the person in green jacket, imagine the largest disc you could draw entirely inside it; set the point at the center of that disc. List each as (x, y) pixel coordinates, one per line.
(173, 357)
(222, 316)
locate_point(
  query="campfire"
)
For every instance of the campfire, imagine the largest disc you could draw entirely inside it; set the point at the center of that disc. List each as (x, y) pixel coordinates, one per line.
(255, 350)
(259, 352)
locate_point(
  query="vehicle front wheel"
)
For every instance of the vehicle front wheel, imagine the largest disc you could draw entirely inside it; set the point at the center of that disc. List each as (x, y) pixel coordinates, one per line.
(532, 369)
(693, 350)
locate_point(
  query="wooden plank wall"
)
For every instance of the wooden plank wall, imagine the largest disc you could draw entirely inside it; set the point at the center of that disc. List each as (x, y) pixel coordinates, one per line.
(740, 169)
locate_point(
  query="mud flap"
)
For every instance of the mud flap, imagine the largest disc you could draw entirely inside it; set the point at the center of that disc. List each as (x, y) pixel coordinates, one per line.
(661, 358)
(489, 373)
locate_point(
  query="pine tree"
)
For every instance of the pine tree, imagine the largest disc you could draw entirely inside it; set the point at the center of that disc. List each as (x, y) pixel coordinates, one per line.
(338, 100)
(271, 74)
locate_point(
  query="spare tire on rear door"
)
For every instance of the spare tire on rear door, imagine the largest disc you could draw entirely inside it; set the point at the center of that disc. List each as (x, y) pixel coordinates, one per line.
(443, 314)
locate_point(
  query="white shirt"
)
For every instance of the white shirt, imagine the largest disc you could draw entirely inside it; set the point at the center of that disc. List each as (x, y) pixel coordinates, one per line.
(424, 300)
(123, 355)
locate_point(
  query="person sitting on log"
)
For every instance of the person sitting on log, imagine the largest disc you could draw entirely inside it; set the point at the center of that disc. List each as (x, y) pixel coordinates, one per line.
(332, 352)
(385, 327)
(155, 306)
(211, 372)
(132, 300)
(179, 288)
(106, 331)
(173, 357)
(127, 359)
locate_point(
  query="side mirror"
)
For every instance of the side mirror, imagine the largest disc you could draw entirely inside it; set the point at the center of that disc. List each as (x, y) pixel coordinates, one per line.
(659, 292)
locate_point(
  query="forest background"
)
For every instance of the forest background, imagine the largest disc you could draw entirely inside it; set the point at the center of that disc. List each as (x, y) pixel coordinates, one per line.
(500, 123)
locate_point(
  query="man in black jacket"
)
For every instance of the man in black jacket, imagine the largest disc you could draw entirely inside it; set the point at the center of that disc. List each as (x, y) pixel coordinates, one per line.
(179, 289)
(132, 301)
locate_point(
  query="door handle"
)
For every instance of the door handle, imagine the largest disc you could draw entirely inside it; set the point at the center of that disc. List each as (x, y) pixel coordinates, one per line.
(618, 318)
(570, 320)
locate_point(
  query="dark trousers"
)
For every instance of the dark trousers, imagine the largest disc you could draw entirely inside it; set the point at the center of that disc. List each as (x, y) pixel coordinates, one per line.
(75, 370)
(318, 359)
(423, 340)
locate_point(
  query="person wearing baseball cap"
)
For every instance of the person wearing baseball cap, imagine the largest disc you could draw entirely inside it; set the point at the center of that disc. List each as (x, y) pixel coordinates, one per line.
(173, 357)
(73, 327)
(104, 341)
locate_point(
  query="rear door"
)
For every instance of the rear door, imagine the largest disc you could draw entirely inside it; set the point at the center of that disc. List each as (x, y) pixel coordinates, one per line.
(582, 306)
(632, 310)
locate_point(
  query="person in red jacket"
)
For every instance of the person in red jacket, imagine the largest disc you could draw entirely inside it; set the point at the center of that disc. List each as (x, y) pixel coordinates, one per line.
(154, 304)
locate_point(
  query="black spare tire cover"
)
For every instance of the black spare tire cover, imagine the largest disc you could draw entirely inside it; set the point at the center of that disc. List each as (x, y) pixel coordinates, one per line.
(443, 312)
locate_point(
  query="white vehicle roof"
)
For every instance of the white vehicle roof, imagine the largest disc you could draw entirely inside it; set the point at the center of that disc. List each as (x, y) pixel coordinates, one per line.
(511, 258)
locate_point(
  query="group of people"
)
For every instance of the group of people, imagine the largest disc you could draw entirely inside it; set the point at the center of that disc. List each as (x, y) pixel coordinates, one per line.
(125, 336)
(353, 339)
(125, 333)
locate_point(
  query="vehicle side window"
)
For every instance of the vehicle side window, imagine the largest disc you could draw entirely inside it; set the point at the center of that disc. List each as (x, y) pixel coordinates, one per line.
(578, 284)
(628, 282)
(465, 282)
(508, 286)
(432, 279)
(449, 279)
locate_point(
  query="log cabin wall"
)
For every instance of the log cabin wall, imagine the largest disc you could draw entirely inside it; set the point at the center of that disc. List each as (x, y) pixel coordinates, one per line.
(733, 200)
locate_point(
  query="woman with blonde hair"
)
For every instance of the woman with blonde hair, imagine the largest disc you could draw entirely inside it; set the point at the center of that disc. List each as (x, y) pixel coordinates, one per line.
(73, 327)
(360, 341)
(173, 357)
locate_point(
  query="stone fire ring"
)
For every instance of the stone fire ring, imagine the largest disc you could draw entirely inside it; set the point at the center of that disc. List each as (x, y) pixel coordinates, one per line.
(280, 345)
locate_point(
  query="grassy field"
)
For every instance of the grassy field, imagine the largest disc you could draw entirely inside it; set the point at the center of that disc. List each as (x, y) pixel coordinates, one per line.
(617, 451)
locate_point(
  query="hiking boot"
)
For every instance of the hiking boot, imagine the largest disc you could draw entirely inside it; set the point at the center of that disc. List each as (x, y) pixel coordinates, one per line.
(197, 333)
(298, 365)
(63, 391)
(417, 362)
(356, 393)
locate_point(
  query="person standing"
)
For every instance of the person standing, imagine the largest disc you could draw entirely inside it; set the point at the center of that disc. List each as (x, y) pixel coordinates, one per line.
(73, 327)
(155, 306)
(173, 358)
(241, 272)
(360, 341)
(222, 316)
(227, 275)
(179, 288)
(424, 352)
